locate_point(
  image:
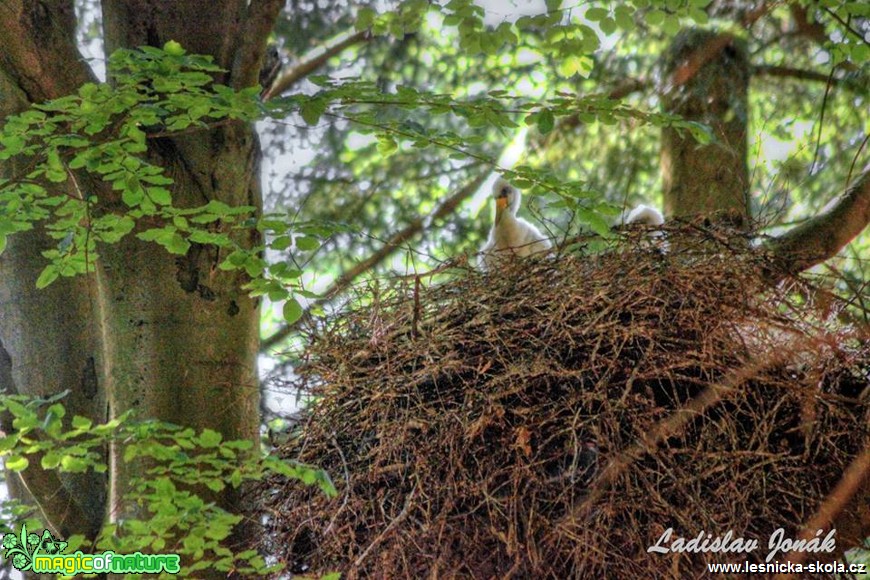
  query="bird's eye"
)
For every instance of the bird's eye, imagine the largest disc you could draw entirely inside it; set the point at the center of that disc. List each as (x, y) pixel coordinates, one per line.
(505, 190)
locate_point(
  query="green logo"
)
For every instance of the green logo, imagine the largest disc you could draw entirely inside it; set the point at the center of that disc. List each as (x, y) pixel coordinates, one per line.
(44, 555)
(21, 550)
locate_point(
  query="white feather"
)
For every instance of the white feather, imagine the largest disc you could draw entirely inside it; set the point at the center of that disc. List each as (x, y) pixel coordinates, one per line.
(646, 215)
(510, 235)
(653, 218)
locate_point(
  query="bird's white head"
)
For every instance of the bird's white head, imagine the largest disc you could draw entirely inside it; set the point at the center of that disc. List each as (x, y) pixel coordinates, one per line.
(506, 197)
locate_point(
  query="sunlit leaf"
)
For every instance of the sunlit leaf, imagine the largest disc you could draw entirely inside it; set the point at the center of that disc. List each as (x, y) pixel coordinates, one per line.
(292, 311)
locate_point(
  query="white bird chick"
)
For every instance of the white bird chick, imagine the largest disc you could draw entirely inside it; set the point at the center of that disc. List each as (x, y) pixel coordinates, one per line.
(646, 215)
(510, 235)
(650, 217)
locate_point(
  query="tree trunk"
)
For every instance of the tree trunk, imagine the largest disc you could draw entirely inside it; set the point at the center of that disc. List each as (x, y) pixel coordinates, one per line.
(49, 339)
(181, 335)
(174, 338)
(706, 79)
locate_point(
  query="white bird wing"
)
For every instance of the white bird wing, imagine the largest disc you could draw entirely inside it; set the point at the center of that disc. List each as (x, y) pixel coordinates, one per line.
(529, 240)
(513, 236)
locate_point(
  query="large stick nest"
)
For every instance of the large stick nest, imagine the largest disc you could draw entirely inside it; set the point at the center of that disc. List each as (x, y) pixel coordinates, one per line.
(554, 417)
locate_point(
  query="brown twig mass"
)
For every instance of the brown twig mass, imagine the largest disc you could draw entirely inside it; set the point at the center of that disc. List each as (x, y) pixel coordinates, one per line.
(553, 418)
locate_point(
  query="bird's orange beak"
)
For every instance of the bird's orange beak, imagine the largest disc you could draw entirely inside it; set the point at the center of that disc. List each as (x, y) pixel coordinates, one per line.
(501, 202)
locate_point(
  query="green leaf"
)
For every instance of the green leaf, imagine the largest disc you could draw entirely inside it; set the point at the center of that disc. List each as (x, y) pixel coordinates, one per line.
(655, 17)
(236, 478)
(623, 17)
(133, 194)
(698, 16)
(387, 145)
(365, 18)
(573, 64)
(173, 48)
(79, 422)
(49, 274)
(2, 243)
(281, 243)
(860, 54)
(596, 13)
(607, 25)
(8, 443)
(74, 542)
(210, 438)
(312, 109)
(177, 245)
(73, 464)
(292, 311)
(130, 453)
(214, 484)
(546, 121)
(50, 460)
(17, 463)
(595, 222)
(671, 25)
(307, 244)
(241, 444)
(160, 195)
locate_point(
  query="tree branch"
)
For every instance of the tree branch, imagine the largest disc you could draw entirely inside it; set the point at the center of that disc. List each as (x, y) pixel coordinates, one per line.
(823, 236)
(812, 30)
(617, 93)
(845, 25)
(795, 73)
(860, 84)
(314, 61)
(259, 21)
(686, 69)
(394, 243)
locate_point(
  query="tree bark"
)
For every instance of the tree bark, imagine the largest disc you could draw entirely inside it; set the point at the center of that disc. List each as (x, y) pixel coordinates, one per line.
(821, 237)
(174, 338)
(706, 79)
(182, 335)
(50, 339)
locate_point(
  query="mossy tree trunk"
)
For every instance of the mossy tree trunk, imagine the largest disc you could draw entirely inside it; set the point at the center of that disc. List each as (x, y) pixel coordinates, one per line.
(705, 78)
(175, 339)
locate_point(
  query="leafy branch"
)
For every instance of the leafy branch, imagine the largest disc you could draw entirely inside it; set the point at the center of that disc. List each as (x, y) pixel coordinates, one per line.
(180, 460)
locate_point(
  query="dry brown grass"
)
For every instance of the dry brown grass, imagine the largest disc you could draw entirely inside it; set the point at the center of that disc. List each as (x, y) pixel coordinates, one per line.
(457, 418)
